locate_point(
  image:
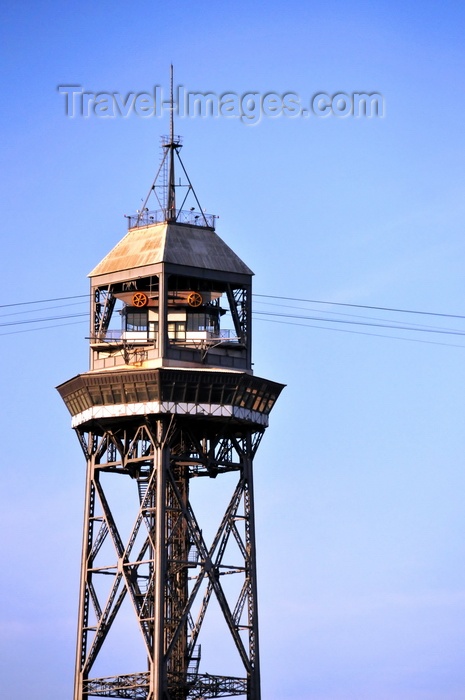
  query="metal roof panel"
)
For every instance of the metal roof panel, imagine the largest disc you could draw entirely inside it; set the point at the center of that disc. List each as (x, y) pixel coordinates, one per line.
(191, 246)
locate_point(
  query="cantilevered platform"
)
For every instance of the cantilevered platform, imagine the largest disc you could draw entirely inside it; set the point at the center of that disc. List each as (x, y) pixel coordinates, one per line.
(96, 397)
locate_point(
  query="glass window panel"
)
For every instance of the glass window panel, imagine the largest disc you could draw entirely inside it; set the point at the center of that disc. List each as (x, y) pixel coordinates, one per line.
(117, 395)
(95, 395)
(130, 392)
(152, 391)
(141, 390)
(177, 330)
(136, 320)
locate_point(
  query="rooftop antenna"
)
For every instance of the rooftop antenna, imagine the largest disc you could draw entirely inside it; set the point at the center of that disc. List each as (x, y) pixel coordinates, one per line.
(171, 145)
(171, 203)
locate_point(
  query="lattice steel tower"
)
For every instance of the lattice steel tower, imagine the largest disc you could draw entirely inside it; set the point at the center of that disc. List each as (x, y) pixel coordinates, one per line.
(169, 407)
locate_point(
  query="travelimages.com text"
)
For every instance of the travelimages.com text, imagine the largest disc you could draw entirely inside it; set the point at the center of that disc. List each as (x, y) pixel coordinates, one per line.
(249, 107)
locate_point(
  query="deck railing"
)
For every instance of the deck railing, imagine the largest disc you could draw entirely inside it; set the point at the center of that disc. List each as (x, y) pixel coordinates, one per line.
(180, 216)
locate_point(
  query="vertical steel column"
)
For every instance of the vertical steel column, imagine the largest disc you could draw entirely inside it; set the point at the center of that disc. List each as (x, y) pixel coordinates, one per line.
(253, 691)
(161, 464)
(87, 536)
(247, 319)
(162, 315)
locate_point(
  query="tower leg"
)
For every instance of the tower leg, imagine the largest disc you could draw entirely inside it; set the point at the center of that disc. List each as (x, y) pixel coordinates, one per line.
(253, 690)
(87, 539)
(161, 465)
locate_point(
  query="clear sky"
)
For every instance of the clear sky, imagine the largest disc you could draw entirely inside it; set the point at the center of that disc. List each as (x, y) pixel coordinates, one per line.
(360, 478)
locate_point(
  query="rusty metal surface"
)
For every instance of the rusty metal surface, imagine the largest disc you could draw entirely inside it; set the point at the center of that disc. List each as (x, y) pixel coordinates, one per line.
(190, 246)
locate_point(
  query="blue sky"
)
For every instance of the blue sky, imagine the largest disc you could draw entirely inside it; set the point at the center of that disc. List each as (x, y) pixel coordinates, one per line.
(360, 478)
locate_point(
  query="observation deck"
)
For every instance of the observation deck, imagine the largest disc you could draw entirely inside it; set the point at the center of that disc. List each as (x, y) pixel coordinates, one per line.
(94, 398)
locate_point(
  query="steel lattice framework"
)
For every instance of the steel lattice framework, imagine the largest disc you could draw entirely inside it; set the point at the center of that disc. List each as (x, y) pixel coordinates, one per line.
(165, 560)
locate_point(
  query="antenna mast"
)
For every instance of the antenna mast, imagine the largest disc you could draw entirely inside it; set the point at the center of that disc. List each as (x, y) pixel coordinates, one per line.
(171, 203)
(168, 212)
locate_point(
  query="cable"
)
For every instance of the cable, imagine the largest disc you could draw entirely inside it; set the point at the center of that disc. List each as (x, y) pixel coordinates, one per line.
(43, 301)
(46, 308)
(270, 296)
(365, 320)
(40, 320)
(361, 306)
(373, 335)
(41, 328)
(362, 323)
(339, 313)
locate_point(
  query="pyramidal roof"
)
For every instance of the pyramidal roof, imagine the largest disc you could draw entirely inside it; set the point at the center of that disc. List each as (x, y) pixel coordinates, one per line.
(178, 244)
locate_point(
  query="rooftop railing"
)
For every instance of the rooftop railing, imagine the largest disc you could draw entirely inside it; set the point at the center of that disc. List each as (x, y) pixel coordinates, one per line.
(179, 216)
(115, 335)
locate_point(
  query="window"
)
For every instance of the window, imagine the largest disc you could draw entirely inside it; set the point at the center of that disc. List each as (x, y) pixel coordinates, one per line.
(177, 330)
(153, 331)
(136, 320)
(203, 322)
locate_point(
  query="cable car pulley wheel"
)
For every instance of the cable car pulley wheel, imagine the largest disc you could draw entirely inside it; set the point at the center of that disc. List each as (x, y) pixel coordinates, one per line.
(139, 299)
(194, 299)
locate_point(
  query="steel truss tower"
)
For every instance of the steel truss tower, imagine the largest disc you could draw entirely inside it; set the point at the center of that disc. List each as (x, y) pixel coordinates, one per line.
(169, 402)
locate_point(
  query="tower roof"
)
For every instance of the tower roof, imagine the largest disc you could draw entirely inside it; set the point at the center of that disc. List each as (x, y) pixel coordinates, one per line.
(173, 243)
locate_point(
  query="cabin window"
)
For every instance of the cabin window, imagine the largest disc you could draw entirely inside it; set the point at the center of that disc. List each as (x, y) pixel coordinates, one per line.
(176, 330)
(203, 322)
(136, 320)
